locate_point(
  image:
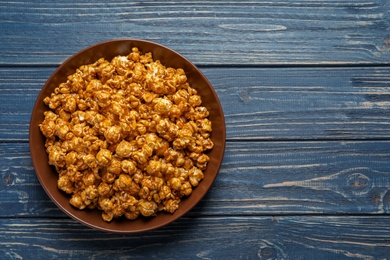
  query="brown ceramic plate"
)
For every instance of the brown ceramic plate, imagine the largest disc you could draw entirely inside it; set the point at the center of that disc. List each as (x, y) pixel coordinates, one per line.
(47, 174)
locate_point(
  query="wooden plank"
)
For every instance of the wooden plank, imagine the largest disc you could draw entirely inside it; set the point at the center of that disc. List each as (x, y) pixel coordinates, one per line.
(259, 103)
(304, 103)
(207, 32)
(255, 178)
(286, 237)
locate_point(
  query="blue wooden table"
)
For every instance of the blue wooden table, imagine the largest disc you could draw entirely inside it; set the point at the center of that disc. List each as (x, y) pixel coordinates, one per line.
(305, 87)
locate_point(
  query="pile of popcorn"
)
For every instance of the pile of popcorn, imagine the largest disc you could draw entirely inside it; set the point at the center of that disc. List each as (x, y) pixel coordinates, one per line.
(127, 137)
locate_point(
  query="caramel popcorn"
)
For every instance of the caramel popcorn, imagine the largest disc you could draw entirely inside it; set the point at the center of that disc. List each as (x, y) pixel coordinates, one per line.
(127, 137)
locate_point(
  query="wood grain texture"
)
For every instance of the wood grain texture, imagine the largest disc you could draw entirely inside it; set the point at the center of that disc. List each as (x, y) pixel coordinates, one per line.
(305, 90)
(207, 32)
(259, 103)
(255, 179)
(289, 237)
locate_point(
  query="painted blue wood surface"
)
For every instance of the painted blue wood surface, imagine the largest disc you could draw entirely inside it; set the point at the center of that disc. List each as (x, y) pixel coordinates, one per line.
(237, 237)
(207, 32)
(259, 103)
(305, 87)
(256, 178)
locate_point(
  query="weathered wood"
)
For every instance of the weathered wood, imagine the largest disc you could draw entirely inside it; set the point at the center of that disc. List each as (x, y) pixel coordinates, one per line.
(255, 178)
(304, 103)
(289, 237)
(306, 172)
(207, 32)
(259, 103)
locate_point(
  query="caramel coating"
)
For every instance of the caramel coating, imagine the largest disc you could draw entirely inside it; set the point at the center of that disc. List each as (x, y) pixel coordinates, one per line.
(127, 137)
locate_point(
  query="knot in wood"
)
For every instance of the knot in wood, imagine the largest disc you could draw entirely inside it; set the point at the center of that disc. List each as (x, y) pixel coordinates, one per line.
(359, 183)
(267, 253)
(8, 179)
